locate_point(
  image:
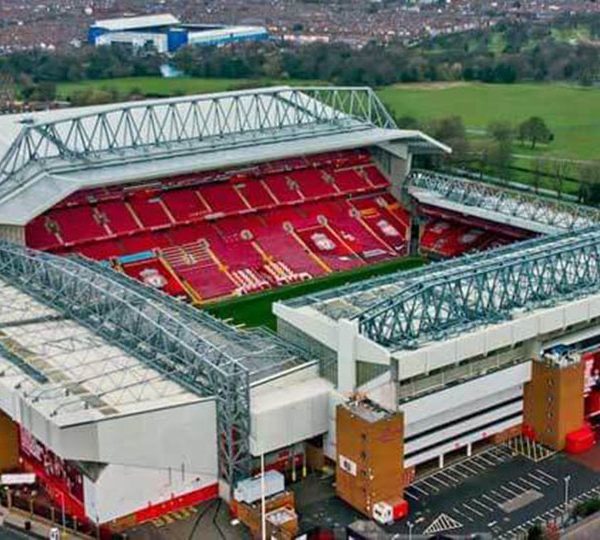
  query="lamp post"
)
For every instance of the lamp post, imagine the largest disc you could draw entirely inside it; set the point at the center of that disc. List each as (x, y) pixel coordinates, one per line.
(263, 514)
(410, 526)
(567, 479)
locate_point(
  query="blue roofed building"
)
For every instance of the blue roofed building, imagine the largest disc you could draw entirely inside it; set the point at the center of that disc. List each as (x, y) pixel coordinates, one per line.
(166, 33)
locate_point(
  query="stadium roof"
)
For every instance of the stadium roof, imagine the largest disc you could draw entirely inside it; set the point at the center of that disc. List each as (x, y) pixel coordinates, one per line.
(406, 309)
(134, 23)
(84, 342)
(511, 207)
(46, 156)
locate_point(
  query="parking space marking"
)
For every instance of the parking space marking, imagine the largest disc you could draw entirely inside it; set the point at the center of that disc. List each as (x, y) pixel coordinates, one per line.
(475, 463)
(455, 470)
(414, 486)
(409, 494)
(501, 496)
(467, 465)
(511, 493)
(483, 458)
(530, 484)
(430, 485)
(471, 509)
(488, 498)
(456, 510)
(549, 476)
(437, 478)
(484, 506)
(445, 475)
(531, 475)
(520, 488)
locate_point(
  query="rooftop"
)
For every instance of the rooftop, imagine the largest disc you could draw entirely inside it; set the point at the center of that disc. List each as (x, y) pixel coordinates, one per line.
(84, 342)
(45, 157)
(405, 309)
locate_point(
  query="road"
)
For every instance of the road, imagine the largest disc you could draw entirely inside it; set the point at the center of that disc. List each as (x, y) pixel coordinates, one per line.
(9, 534)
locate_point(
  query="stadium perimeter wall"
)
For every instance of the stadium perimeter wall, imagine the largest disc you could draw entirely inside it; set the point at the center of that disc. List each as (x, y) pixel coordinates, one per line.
(148, 457)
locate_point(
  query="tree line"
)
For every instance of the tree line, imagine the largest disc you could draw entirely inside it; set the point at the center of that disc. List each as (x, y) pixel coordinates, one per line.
(494, 155)
(527, 52)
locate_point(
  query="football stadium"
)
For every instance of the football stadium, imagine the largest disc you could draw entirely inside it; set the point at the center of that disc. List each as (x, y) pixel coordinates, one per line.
(120, 224)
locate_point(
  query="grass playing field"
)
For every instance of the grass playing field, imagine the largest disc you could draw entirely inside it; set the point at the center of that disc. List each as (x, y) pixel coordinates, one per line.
(255, 310)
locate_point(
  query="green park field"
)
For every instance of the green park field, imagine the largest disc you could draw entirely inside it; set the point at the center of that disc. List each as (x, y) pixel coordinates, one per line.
(571, 112)
(159, 87)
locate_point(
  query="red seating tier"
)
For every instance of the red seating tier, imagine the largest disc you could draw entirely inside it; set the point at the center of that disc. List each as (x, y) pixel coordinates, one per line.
(230, 233)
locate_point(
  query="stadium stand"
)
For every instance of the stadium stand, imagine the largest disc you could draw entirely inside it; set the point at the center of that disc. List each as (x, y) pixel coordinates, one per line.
(229, 233)
(446, 238)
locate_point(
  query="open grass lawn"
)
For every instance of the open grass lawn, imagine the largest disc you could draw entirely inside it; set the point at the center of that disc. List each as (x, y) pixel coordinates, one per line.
(158, 86)
(573, 113)
(255, 310)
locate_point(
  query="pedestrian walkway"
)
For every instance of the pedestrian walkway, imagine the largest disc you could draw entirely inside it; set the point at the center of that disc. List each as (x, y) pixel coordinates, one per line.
(38, 527)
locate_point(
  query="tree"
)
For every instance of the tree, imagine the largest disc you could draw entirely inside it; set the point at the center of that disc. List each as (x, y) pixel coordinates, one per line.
(535, 532)
(538, 171)
(501, 150)
(535, 131)
(560, 171)
(452, 132)
(407, 122)
(501, 131)
(589, 183)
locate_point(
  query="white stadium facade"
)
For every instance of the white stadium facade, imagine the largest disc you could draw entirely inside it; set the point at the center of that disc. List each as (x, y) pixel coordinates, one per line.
(145, 403)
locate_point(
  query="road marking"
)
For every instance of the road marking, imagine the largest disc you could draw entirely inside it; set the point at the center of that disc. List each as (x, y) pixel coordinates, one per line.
(414, 486)
(549, 476)
(530, 484)
(470, 509)
(484, 506)
(545, 482)
(443, 522)
(520, 488)
(456, 510)
(408, 494)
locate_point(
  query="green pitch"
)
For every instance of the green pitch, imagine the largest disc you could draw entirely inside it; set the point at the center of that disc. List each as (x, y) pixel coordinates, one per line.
(255, 310)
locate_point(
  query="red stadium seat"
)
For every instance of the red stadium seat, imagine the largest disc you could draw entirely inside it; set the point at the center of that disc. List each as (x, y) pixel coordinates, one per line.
(228, 233)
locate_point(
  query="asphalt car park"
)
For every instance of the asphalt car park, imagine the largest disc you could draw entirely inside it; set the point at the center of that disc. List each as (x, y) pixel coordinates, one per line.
(496, 493)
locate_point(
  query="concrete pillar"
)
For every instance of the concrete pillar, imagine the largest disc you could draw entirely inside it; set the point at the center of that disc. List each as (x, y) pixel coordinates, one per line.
(469, 450)
(346, 358)
(441, 461)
